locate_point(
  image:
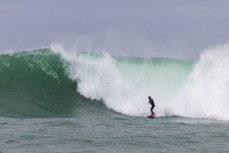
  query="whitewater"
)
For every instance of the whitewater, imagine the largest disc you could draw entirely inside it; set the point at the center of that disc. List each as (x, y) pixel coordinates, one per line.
(68, 101)
(183, 88)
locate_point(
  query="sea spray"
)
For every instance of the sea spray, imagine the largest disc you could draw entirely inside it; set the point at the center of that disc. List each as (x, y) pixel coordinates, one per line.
(181, 88)
(205, 95)
(123, 83)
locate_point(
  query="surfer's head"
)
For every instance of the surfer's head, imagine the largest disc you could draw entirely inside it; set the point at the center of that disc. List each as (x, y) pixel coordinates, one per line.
(149, 97)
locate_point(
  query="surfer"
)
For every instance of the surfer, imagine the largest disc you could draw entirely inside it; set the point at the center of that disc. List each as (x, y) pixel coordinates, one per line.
(152, 106)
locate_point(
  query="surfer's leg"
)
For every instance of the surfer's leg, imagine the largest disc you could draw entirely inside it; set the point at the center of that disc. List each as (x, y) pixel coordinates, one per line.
(152, 113)
(151, 109)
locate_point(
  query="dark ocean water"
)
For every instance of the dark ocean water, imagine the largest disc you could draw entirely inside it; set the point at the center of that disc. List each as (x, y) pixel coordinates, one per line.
(94, 102)
(110, 132)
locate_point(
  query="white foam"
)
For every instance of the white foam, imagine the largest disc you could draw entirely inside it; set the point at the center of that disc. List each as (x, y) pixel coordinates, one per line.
(125, 90)
(205, 95)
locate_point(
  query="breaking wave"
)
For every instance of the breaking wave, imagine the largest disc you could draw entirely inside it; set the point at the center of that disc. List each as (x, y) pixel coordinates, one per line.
(56, 82)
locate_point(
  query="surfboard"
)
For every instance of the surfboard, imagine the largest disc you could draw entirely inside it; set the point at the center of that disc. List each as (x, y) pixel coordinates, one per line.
(151, 116)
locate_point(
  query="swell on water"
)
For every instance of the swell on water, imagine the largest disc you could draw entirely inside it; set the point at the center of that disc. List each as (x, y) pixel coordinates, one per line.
(57, 83)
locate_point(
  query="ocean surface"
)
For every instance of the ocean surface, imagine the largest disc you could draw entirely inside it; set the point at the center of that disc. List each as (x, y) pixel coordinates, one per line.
(58, 101)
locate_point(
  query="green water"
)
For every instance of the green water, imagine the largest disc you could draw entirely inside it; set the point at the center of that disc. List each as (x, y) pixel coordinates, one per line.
(47, 105)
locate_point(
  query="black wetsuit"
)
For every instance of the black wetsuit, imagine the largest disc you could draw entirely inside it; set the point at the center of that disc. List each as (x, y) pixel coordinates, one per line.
(152, 107)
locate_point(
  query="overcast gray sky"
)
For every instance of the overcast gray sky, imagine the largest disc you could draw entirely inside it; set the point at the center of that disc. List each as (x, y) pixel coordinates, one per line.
(169, 28)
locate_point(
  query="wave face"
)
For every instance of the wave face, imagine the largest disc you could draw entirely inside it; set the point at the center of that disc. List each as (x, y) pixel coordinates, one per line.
(34, 84)
(54, 82)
